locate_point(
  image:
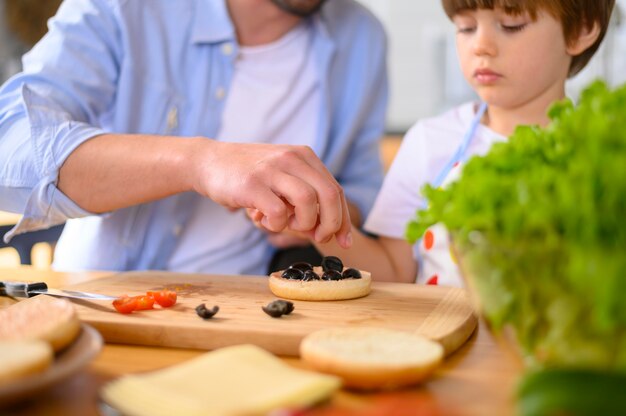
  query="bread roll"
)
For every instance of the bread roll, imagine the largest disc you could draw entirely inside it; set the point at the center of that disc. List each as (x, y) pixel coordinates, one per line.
(42, 318)
(320, 289)
(22, 358)
(371, 358)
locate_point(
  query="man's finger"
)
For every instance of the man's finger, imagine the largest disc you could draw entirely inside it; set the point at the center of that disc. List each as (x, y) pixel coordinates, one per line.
(332, 212)
(344, 235)
(274, 213)
(332, 206)
(301, 198)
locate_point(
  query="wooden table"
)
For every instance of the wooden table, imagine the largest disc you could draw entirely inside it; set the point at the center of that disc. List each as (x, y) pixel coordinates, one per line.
(479, 379)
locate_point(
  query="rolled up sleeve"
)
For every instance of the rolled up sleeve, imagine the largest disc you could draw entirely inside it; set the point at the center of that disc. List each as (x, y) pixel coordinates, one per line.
(52, 107)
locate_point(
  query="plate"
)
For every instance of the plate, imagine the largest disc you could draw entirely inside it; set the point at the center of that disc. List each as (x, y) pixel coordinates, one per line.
(84, 349)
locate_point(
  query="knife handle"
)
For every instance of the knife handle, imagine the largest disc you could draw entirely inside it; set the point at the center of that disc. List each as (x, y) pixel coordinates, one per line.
(21, 289)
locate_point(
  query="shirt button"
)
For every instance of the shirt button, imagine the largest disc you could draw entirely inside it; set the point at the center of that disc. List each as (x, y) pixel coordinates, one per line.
(227, 48)
(177, 230)
(220, 93)
(172, 119)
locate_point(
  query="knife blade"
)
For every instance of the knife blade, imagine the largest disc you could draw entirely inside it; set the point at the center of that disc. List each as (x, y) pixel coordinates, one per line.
(28, 290)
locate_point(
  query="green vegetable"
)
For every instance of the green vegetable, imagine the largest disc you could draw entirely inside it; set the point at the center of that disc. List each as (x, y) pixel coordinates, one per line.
(556, 392)
(540, 227)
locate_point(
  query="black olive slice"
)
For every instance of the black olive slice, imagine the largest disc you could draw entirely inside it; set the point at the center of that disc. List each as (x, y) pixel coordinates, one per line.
(332, 263)
(351, 273)
(304, 266)
(278, 308)
(332, 275)
(310, 275)
(288, 307)
(292, 274)
(205, 313)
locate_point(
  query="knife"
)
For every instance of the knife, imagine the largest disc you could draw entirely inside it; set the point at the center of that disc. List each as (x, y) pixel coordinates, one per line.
(28, 290)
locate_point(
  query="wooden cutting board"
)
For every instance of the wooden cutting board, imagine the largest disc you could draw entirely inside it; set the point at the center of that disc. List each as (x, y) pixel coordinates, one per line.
(442, 314)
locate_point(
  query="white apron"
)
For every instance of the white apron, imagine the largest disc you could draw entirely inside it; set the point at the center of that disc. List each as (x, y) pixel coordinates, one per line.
(438, 266)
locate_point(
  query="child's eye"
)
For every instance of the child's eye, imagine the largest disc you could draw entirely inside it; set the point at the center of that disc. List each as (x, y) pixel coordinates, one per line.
(466, 29)
(513, 28)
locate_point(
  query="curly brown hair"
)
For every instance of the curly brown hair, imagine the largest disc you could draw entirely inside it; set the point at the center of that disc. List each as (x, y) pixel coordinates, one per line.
(574, 15)
(27, 18)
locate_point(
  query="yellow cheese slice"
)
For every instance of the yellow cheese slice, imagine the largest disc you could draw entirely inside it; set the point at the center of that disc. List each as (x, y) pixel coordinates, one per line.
(238, 380)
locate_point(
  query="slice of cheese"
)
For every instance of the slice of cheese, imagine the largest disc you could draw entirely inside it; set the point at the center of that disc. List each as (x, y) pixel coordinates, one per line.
(238, 380)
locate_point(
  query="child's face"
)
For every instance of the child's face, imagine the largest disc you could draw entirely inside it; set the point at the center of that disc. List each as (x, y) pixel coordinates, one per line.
(511, 60)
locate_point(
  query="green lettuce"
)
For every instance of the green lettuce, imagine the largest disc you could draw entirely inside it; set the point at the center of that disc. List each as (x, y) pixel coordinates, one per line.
(539, 224)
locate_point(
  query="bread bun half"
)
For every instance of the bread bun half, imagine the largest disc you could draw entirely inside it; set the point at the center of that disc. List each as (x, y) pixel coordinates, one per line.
(369, 358)
(41, 318)
(23, 358)
(320, 289)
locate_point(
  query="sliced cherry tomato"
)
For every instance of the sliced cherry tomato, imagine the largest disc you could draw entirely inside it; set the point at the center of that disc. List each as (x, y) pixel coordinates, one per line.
(144, 303)
(125, 304)
(165, 298)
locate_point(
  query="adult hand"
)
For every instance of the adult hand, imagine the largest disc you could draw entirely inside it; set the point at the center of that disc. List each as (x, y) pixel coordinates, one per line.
(288, 186)
(285, 239)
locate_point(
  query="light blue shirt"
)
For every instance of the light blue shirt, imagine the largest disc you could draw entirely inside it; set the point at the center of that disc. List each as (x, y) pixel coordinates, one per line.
(164, 67)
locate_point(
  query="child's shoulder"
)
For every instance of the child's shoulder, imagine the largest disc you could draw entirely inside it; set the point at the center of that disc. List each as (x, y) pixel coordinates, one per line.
(431, 141)
(446, 129)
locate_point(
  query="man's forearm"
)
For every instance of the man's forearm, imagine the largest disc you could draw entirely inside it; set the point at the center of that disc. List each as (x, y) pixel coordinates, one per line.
(285, 183)
(115, 171)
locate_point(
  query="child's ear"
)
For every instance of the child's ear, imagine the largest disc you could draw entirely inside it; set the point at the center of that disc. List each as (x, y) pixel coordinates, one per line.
(587, 37)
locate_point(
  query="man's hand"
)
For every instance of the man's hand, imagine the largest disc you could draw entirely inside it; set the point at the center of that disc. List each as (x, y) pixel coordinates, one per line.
(288, 186)
(290, 238)
(287, 240)
(284, 239)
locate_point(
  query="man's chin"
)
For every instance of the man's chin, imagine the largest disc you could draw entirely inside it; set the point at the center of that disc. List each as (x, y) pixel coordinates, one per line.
(301, 8)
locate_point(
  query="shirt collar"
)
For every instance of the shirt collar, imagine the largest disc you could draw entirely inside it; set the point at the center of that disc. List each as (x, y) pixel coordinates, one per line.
(212, 22)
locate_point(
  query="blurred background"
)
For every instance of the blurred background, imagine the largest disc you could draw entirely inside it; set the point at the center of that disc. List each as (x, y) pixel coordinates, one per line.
(22, 24)
(425, 78)
(424, 74)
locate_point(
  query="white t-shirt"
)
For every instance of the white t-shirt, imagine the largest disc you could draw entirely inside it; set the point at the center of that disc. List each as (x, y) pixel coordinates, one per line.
(425, 150)
(274, 98)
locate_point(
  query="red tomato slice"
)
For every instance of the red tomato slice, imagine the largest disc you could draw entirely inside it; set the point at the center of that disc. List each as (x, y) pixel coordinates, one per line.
(125, 304)
(165, 298)
(144, 303)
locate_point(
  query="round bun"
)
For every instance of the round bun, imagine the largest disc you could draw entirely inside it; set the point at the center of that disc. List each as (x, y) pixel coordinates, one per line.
(372, 358)
(40, 318)
(320, 289)
(22, 358)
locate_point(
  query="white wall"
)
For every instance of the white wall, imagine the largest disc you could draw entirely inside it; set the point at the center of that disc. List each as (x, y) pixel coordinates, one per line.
(417, 32)
(424, 74)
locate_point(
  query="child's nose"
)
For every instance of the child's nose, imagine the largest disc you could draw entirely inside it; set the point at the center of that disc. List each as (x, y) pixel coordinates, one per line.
(484, 42)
